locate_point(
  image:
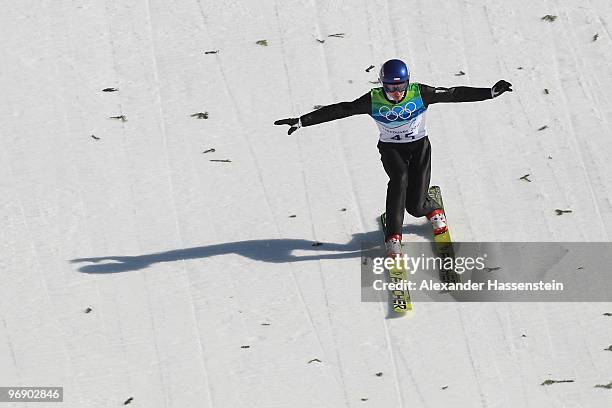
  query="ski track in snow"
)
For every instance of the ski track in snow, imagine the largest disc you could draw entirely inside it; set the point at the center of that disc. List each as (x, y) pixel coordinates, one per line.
(204, 292)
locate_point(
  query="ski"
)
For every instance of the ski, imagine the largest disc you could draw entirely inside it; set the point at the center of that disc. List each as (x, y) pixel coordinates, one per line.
(443, 243)
(397, 274)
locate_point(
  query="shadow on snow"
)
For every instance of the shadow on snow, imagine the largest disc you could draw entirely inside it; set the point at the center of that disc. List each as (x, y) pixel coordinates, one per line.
(264, 250)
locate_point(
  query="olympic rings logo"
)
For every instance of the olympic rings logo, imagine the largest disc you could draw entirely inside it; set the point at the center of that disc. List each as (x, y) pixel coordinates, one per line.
(398, 111)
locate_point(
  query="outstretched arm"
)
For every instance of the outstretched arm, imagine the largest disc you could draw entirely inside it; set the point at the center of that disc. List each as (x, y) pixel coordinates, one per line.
(463, 93)
(329, 113)
(338, 111)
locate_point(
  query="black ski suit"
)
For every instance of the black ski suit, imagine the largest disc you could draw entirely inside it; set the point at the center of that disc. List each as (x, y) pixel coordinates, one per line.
(408, 164)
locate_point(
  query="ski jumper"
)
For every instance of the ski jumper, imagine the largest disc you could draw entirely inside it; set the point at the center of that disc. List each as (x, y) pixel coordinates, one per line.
(403, 143)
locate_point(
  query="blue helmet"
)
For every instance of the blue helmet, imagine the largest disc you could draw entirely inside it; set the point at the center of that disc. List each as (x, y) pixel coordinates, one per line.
(394, 72)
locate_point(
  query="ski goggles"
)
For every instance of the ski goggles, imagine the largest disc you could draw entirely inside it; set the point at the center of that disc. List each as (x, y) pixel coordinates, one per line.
(401, 87)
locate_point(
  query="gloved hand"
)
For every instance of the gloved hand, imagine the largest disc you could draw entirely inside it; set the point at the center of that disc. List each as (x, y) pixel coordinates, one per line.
(293, 122)
(500, 87)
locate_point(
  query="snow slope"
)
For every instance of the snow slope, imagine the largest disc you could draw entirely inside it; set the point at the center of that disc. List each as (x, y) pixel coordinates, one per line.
(185, 262)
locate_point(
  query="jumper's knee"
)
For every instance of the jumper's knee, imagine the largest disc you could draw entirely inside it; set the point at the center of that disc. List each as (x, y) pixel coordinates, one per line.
(399, 181)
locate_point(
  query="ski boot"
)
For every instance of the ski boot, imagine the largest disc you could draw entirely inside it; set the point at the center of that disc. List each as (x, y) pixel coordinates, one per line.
(393, 245)
(438, 221)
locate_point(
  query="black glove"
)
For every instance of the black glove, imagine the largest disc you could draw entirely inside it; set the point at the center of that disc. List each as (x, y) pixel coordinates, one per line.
(500, 87)
(293, 122)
